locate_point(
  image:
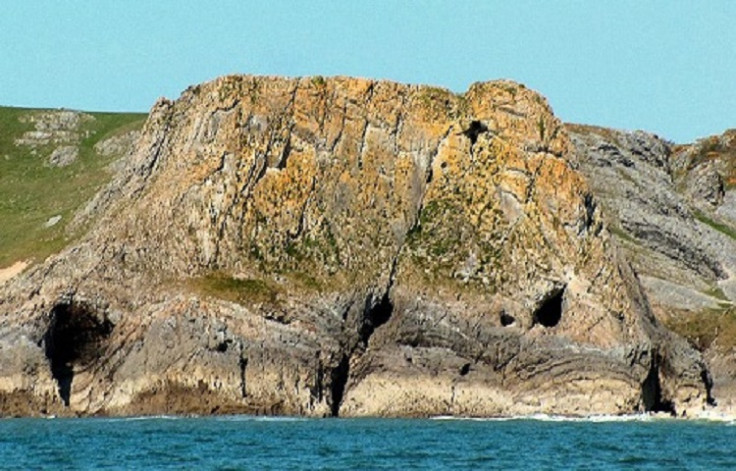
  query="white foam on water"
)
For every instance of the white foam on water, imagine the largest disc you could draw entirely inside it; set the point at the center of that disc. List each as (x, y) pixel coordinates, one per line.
(705, 416)
(712, 416)
(258, 418)
(146, 417)
(563, 418)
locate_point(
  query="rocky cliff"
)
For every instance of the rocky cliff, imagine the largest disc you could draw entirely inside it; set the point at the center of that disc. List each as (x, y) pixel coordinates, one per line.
(672, 209)
(343, 247)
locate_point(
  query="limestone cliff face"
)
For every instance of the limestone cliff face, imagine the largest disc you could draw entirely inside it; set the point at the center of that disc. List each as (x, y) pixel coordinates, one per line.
(342, 246)
(673, 211)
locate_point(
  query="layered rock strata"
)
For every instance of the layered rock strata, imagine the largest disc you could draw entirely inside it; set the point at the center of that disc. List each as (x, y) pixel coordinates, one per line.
(672, 209)
(343, 247)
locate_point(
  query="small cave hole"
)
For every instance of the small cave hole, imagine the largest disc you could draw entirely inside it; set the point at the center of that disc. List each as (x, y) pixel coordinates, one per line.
(506, 319)
(549, 311)
(74, 337)
(475, 129)
(375, 316)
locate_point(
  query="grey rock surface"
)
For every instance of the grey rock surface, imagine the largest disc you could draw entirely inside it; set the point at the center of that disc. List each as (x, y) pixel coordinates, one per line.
(63, 156)
(672, 210)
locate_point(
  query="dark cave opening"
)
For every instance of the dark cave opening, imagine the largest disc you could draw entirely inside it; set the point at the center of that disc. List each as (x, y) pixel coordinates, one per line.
(549, 312)
(74, 336)
(651, 390)
(338, 381)
(375, 315)
(708, 383)
(242, 364)
(475, 129)
(223, 346)
(506, 319)
(590, 207)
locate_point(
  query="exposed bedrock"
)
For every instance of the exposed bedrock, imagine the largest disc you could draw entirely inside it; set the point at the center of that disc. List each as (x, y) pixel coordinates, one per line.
(671, 210)
(343, 247)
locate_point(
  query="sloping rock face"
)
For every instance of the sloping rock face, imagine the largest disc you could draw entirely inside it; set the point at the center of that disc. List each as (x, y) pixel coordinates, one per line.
(343, 247)
(673, 212)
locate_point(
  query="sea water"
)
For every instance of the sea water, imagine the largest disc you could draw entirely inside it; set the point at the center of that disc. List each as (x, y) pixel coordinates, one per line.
(242, 442)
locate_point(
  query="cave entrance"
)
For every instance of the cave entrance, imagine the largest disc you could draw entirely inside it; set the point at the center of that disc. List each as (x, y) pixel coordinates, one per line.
(549, 312)
(74, 337)
(338, 381)
(651, 390)
(375, 315)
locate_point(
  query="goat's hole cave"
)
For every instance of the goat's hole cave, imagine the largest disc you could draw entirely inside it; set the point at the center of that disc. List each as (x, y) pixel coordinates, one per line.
(549, 311)
(74, 336)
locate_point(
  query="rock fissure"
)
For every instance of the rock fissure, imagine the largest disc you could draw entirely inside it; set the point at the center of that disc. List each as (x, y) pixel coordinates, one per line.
(361, 144)
(242, 365)
(285, 153)
(340, 130)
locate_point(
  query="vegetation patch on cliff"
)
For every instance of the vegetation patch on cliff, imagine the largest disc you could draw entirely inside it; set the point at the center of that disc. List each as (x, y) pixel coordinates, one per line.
(720, 227)
(711, 328)
(237, 290)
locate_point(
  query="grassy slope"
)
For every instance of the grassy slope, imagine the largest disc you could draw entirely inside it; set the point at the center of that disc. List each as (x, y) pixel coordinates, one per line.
(31, 193)
(707, 329)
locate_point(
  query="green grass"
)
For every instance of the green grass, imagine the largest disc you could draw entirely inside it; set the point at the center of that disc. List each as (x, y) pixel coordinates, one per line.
(621, 234)
(318, 81)
(712, 327)
(717, 292)
(720, 227)
(31, 192)
(241, 291)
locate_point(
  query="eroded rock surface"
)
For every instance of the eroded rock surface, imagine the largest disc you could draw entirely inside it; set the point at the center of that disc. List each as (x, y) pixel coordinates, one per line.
(671, 209)
(344, 247)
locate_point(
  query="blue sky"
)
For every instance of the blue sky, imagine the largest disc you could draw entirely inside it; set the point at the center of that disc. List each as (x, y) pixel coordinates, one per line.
(664, 66)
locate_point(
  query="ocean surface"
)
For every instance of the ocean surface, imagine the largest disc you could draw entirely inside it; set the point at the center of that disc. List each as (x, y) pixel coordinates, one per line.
(258, 443)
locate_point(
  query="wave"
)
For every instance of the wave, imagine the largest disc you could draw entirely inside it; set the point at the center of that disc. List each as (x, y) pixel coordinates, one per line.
(259, 418)
(147, 417)
(562, 418)
(707, 416)
(603, 418)
(217, 418)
